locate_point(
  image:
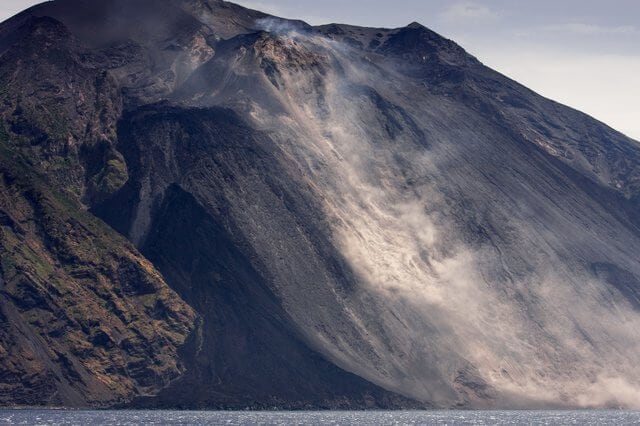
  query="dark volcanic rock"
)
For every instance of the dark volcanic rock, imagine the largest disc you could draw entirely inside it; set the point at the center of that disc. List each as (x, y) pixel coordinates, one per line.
(359, 217)
(248, 353)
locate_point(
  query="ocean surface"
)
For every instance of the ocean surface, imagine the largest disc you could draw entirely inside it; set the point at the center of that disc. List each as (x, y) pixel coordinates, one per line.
(81, 417)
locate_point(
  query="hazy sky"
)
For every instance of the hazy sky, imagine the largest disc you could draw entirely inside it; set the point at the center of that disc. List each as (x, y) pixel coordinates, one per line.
(583, 53)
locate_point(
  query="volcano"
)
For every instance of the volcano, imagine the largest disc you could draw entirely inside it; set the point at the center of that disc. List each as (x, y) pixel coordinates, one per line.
(204, 206)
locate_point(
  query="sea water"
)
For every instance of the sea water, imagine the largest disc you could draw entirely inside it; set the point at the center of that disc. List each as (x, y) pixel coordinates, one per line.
(143, 417)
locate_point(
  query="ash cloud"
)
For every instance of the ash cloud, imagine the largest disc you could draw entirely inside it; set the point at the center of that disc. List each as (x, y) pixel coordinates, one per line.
(281, 26)
(455, 274)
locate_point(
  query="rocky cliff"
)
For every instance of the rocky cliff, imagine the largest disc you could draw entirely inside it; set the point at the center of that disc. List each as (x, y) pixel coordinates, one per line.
(207, 207)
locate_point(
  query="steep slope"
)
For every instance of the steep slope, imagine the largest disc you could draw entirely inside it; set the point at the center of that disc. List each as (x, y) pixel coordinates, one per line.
(477, 245)
(66, 124)
(361, 217)
(85, 319)
(251, 354)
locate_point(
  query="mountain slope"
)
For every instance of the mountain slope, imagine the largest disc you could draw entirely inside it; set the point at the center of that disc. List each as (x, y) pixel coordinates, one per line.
(86, 320)
(360, 217)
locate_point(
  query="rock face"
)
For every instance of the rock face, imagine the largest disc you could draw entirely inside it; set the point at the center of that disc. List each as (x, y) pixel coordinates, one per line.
(317, 217)
(85, 319)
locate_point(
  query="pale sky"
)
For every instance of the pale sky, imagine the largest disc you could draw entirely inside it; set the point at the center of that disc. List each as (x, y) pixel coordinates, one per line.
(583, 53)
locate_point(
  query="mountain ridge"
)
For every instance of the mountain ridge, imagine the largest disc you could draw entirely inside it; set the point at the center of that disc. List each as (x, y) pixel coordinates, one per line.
(355, 217)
